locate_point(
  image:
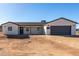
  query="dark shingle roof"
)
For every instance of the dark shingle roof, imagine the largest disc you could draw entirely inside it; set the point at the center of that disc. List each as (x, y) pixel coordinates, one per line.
(30, 23)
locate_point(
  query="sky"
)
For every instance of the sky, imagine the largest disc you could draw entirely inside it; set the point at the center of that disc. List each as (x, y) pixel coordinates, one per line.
(35, 12)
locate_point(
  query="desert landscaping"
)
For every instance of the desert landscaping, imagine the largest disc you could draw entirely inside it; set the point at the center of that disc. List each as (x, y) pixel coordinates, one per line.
(39, 45)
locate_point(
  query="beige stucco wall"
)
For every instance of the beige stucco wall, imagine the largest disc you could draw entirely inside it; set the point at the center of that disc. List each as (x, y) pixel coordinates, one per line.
(61, 22)
(73, 30)
(14, 29)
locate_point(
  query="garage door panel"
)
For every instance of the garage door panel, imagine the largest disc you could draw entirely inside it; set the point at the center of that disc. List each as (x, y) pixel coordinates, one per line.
(61, 30)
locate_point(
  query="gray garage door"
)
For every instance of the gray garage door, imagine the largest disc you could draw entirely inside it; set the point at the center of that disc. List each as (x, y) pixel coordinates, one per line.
(60, 30)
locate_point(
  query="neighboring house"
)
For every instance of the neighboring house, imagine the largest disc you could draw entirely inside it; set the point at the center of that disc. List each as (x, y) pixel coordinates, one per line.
(60, 26)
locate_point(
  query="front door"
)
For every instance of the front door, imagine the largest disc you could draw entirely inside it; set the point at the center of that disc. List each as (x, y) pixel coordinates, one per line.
(21, 30)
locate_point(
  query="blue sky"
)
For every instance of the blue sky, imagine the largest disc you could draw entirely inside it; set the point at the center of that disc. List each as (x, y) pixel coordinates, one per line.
(36, 12)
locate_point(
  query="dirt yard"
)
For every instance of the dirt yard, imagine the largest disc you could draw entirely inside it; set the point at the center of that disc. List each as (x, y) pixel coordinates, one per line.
(41, 45)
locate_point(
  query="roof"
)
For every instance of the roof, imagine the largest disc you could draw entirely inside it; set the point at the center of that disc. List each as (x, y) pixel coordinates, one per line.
(26, 23)
(64, 19)
(38, 23)
(30, 23)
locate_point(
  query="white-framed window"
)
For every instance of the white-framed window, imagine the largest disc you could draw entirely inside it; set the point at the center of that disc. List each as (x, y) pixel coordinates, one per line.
(27, 29)
(38, 28)
(9, 28)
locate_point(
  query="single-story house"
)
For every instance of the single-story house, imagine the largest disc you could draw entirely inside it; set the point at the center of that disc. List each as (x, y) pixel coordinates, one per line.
(60, 26)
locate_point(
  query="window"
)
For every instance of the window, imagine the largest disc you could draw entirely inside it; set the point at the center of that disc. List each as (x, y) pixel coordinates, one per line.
(9, 28)
(38, 28)
(27, 29)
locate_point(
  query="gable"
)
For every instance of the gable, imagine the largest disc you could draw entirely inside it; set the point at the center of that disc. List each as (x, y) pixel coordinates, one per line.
(63, 19)
(61, 22)
(9, 24)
